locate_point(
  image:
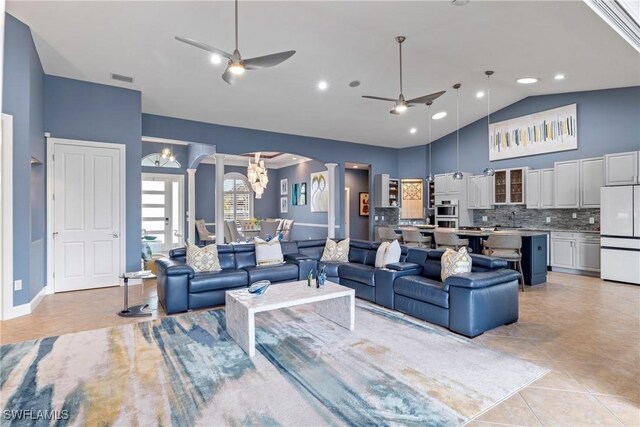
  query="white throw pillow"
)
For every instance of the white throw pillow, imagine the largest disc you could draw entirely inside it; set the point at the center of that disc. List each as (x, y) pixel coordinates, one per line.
(203, 259)
(268, 253)
(388, 253)
(336, 251)
(453, 263)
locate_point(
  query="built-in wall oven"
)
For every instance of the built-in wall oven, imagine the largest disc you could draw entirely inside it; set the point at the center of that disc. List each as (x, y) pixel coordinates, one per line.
(447, 222)
(447, 208)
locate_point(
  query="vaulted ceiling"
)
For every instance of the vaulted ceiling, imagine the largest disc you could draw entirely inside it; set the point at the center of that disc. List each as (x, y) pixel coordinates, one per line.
(336, 41)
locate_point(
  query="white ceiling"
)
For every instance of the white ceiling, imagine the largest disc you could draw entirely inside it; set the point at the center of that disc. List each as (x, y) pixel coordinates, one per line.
(337, 41)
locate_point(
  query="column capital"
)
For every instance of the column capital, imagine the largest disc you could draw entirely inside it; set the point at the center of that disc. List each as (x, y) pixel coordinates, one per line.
(191, 171)
(331, 165)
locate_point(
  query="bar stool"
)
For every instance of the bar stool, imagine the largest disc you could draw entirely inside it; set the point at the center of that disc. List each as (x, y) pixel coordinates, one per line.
(449, 239)
(414, 238)
(387, 234)
(508, 247)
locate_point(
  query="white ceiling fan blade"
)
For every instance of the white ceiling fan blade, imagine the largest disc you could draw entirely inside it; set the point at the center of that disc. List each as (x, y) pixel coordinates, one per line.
(267, 60)
(204, 47)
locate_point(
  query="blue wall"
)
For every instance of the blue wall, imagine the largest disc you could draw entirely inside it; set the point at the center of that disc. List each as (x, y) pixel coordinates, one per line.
(358, 182)
(23, 97)
(86, 111)
(608, 122)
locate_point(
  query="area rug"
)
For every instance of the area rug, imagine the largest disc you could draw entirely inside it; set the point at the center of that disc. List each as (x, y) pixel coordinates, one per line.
(186, 370)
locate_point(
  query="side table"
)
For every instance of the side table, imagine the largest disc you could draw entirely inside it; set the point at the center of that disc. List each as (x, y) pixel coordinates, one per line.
(137, 310)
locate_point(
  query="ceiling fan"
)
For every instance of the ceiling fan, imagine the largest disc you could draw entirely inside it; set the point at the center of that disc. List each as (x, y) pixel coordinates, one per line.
(236, 66)
(400, 104)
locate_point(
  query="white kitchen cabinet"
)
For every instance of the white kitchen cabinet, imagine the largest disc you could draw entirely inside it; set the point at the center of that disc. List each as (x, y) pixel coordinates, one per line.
(591, 179)
(622, 168)
(386, 191)
(539, 189)
(562, 252)
(546, 188)
(479, 192)
(534, 182)
(440, 184)
(575, 252)
(472, 192)
(454, 186)
(509, 186)
(566, 184)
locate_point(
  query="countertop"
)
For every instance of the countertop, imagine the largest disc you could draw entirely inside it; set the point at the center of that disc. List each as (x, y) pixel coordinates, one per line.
(521, 231)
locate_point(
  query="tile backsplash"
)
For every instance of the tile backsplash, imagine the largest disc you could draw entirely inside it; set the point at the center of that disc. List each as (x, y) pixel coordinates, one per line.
(391, 216)
(561, 219)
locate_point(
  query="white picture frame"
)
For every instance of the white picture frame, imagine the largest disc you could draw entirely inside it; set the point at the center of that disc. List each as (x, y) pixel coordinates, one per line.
(284, 187)
(284, 205)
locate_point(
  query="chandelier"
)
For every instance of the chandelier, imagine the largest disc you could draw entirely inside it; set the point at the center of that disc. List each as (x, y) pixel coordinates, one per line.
(257, 175)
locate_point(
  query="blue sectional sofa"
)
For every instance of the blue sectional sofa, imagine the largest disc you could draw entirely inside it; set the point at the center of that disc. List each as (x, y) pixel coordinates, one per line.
(468, 304)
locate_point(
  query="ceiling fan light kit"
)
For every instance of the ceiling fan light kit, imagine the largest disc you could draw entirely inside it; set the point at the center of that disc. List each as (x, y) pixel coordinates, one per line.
(236, 66)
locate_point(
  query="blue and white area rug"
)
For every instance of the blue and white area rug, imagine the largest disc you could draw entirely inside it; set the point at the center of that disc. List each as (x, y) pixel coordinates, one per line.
(185, 370)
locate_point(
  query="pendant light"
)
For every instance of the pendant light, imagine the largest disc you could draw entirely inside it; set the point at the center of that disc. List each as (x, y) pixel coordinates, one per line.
(488, 171)
(457, 174)
(430, 176)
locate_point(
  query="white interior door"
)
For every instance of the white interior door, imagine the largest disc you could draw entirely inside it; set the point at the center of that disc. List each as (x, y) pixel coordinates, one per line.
(163, 210)
(347, 212)
(87, 216)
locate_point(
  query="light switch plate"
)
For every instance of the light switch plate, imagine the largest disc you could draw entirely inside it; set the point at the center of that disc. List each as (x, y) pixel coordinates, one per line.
(485, 218)
(592, 220)
(375, 217)
(383, 217)
(548, 219)
(17, 285)
(574, 215)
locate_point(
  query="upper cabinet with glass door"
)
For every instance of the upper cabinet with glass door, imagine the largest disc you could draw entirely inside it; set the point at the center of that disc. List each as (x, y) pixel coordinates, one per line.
(509, 186)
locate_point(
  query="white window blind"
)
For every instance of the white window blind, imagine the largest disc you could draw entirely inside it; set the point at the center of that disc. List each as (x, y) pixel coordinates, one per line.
(238, 200)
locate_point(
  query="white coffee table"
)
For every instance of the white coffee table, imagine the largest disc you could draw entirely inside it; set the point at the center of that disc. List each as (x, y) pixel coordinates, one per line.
(333, 301)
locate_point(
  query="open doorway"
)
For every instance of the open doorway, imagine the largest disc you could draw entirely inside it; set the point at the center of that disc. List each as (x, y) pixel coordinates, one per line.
(357, 192)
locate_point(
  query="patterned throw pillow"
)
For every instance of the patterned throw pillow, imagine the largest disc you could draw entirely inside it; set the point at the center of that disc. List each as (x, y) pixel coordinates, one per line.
(388, 253)
(268, 253)
(453, 263)
(336, 251)
(203, 259)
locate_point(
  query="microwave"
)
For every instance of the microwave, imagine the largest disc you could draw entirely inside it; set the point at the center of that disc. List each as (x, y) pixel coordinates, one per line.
(447, 209)
(447, 223)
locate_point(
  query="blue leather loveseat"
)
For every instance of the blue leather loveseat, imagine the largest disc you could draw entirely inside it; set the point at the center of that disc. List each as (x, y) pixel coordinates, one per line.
(469, 303)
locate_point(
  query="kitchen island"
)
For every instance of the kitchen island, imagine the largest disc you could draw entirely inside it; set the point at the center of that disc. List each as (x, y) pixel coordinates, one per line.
(534, 248)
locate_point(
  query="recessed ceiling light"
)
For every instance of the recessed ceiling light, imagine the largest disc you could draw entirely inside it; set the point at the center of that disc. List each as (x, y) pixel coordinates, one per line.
(294, 158)
(480, 94)
(356, 166)
(440, 115)
(215, 59)
(527, 80)
(413, 130)
(559, 77)
(322, 85)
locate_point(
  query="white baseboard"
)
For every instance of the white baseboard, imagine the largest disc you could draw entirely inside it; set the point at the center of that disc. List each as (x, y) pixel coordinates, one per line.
(25, 309)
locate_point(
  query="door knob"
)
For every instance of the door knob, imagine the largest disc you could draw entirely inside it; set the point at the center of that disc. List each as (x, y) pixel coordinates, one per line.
(114, 235)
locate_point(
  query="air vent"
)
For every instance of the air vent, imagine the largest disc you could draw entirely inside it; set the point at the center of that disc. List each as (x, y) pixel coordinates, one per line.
(121, 78)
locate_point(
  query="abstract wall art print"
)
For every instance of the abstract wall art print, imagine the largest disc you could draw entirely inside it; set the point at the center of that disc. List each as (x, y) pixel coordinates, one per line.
(538, 133)
(319, 191)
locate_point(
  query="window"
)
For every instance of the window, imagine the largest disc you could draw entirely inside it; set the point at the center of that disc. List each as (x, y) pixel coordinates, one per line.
(238, 200)
(156, 160)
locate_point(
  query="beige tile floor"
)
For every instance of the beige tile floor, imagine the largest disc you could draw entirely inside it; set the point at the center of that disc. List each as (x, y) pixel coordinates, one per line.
(585, 330)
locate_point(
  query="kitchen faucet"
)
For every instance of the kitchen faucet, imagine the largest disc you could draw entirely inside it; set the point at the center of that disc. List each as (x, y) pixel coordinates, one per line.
(513, 219)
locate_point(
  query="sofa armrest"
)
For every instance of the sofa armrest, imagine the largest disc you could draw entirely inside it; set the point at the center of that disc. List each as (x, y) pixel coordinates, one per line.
(171, 267)
(402, 266)
(482, 279)
(295, 258)
(384, 278)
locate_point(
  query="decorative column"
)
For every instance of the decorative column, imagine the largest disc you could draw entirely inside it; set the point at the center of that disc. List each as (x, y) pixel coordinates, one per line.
(331, 214)
(219, 196)
(191, 210)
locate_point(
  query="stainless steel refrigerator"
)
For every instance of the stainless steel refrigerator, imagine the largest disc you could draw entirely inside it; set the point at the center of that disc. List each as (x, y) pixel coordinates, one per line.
(620, 233)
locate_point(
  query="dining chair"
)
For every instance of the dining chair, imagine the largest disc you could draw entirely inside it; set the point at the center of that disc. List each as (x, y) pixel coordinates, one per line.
(508, 247)
(286, 229)
(268, 229)
(234, 234)
(414, 238)
(387, 234)
(203, 234)
(449, 239)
